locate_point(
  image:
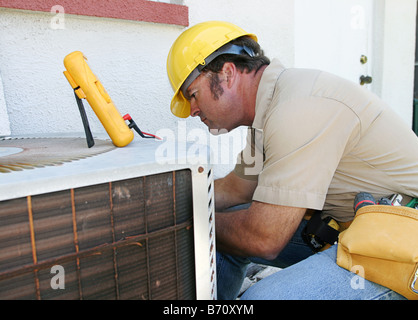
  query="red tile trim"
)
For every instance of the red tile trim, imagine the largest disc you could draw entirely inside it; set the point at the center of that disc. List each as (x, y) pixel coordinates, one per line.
(138, 10)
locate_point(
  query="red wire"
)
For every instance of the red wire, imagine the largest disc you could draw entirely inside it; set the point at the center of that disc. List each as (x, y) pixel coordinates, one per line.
(128, 117)
(152, 135)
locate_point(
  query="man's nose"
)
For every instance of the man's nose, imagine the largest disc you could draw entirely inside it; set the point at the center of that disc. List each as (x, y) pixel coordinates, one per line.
(194, 109)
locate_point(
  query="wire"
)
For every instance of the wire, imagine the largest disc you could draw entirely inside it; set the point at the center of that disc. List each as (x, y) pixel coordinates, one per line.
(133, 125)
(151, 135)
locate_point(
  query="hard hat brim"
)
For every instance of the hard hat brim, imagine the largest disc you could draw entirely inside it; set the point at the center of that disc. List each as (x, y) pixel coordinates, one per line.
(180, 106)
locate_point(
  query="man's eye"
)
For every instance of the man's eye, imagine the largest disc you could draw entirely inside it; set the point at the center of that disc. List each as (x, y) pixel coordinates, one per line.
(191, 96)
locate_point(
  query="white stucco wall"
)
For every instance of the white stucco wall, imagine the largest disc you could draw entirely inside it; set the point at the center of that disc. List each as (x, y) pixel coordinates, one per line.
(128, 57)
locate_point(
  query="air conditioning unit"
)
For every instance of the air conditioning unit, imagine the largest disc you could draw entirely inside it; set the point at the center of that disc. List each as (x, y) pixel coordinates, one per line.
(104, 222)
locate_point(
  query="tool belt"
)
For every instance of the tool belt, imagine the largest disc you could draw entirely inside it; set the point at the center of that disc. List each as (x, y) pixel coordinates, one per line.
(319, 234)
(383, 240)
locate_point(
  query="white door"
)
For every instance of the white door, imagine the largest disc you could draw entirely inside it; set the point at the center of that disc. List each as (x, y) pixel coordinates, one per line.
(335, 36)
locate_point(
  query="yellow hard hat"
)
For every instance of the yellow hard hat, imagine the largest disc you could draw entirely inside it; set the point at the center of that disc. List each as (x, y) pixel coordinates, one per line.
(192, 50)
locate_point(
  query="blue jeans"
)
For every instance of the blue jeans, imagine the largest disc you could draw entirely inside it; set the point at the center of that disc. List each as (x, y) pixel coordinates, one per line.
(305, 275)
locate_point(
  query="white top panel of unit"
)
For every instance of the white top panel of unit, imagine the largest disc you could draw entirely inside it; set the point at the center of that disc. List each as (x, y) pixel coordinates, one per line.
(141, 157)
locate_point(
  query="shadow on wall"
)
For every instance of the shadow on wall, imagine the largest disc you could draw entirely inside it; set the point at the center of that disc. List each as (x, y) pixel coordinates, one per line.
(4, 117)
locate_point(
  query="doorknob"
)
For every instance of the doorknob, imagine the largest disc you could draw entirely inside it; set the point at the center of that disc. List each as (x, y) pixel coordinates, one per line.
(365, 80)
(363, 59)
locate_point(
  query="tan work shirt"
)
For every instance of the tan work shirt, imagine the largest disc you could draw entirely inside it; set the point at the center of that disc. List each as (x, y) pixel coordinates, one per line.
(322, 140)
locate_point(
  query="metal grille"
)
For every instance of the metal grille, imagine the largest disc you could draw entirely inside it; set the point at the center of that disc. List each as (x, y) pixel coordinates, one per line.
(130, 239)
(211, 215)
(31, 153)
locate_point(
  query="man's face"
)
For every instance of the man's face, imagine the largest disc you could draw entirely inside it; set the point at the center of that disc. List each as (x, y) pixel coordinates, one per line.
(212, 100)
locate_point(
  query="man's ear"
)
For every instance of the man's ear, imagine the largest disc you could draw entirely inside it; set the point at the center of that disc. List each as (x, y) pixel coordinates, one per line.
(229, 72)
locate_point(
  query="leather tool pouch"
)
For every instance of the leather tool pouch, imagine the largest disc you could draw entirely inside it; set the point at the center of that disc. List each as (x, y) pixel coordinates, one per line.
(383, 240)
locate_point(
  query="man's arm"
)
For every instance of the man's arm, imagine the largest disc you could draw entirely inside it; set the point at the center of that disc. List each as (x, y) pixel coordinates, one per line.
(233, 190)
(262, 230)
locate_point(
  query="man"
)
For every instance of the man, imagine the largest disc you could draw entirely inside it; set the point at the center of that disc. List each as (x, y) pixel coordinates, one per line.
(322, 140)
